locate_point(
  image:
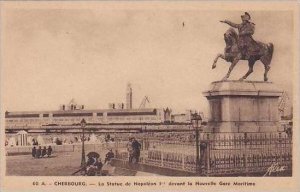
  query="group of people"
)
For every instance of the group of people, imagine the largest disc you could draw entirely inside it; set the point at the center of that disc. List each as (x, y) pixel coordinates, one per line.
(134, 149)
(94, 164)
(40, 153)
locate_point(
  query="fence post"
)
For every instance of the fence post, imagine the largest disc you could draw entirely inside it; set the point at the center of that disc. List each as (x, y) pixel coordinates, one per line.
(245, 154)
(207, 156)
(183, 162)
(144, 157)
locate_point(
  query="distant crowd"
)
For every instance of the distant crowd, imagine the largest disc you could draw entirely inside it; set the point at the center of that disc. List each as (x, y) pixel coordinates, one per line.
(40, 153)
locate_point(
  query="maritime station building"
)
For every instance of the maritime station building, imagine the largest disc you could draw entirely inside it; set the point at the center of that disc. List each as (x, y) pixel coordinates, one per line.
(123, 117)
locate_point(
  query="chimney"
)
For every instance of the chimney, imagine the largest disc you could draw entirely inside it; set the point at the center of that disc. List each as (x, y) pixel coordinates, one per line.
(129, 97)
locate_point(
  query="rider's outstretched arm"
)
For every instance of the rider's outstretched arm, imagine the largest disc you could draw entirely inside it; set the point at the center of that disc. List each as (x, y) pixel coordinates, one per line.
(230, 23)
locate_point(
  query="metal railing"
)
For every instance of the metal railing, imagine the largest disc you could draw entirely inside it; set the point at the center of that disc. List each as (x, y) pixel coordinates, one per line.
(220, 153)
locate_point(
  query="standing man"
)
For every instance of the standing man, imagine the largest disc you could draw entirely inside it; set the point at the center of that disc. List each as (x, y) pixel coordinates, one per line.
(136, 150)
(246, 44)
(38, 152)
(44, 151)
(33, 152)
(49, 151)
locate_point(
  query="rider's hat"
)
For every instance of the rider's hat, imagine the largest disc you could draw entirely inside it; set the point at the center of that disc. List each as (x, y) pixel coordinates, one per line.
(246, 16)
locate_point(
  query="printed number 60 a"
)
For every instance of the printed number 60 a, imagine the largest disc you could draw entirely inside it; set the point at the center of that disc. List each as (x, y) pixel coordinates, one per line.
(35, 183)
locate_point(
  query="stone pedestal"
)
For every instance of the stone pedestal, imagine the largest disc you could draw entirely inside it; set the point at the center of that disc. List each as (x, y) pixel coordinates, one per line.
(243, 106)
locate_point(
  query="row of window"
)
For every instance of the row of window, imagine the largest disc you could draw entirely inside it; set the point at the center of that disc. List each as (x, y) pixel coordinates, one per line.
(85, 114)
(88, 119)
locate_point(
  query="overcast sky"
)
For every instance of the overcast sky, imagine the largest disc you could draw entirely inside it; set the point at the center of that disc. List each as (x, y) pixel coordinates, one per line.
(53, 55)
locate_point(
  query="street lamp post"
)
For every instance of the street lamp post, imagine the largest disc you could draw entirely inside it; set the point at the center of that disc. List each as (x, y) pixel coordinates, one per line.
(83, 162)
(195, 123)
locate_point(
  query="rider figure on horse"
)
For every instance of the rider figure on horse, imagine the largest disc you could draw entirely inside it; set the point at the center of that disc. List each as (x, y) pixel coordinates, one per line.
(246, 44)
(241, 46)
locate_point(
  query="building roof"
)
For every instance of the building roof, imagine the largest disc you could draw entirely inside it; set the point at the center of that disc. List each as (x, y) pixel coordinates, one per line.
(81, 111)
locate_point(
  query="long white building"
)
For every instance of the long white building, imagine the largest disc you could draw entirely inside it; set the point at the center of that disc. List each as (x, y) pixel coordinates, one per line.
(38, 119)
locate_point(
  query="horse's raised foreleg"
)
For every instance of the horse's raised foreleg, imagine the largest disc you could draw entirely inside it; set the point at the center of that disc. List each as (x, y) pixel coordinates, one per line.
(250, 64)
(233, 63)
(216, 60)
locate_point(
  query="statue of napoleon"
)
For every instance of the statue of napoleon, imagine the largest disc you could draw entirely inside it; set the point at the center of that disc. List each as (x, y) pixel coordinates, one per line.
(242, 46)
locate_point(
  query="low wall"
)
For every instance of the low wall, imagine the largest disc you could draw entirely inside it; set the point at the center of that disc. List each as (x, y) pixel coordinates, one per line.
(151, 169)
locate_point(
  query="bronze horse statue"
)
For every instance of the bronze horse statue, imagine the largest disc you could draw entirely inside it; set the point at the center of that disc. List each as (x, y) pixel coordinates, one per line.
(264, 53)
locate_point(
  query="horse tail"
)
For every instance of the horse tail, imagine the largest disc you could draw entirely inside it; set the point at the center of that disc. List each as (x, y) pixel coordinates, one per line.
(267, 57)
(270, 50)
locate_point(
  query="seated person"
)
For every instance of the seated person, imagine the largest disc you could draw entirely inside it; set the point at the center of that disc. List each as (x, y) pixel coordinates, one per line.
(93, 166)
(109, 156)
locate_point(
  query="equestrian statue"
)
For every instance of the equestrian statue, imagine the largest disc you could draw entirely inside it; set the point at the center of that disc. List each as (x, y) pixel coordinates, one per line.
(242, 46)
